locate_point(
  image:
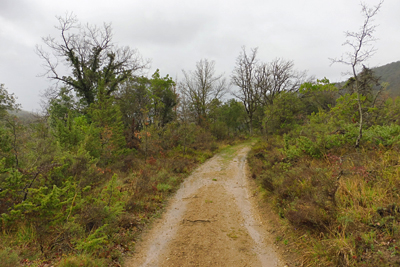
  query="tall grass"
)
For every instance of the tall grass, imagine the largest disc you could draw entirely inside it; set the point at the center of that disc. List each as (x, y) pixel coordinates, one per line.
(346, 200)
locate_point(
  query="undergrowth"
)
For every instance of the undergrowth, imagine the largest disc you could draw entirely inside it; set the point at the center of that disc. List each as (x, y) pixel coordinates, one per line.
(342, 204)
(91, 214)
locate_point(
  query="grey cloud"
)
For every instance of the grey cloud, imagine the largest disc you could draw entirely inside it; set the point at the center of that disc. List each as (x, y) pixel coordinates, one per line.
(165, 31)
(175, 33)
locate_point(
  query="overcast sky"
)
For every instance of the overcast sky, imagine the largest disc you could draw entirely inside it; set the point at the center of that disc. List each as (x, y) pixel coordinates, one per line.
(175, 34)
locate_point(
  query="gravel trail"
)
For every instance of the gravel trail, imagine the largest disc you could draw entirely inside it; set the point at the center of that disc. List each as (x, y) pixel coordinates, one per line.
(212, 220)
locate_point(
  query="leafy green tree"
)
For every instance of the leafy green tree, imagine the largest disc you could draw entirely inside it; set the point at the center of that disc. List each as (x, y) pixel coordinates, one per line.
(14, 129)
(106, 128)
(7, 102)
(146, 100)
(154, 96)
(91, 59)
(71, 132)
(368, 91)
(318, 95)
(286, 112)
(164, 99)
(62, 107)
(216, 125)
(10, 128)
(233, 114)
(134, 98)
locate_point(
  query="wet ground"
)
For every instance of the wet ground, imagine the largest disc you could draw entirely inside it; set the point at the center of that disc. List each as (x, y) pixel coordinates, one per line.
(211, 221)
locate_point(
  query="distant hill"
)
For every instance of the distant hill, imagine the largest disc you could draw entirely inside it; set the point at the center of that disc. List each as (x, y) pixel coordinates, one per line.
(23, 115)
(390, 73)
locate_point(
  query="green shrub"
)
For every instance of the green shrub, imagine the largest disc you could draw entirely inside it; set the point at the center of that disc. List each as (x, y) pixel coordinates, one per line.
(103, 209)
(94, 241)
(385, 135)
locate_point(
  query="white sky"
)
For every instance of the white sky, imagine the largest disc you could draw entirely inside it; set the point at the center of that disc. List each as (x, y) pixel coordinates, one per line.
(175, 34)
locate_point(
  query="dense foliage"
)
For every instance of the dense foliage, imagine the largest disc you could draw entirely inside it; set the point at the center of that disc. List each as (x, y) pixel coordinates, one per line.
(345, 199)
(85, 180)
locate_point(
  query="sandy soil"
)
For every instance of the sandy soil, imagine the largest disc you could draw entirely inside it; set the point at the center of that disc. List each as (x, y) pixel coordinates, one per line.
(211, 221)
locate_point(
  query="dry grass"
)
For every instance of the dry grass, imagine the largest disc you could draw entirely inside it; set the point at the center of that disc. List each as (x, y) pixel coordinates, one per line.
(347, 202)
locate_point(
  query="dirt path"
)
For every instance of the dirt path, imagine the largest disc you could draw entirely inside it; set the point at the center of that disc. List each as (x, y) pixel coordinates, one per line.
(211, 221)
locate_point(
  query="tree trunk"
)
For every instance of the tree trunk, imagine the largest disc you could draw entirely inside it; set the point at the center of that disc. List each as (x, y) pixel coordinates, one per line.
(360, 122)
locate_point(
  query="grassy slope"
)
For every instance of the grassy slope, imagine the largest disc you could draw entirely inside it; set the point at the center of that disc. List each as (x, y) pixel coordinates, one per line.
(341, 209)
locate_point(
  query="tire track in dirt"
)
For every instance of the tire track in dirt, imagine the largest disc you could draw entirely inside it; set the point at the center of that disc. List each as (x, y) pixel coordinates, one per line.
(211, 221)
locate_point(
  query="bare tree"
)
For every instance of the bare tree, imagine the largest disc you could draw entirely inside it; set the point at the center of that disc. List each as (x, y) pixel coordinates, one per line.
(361, 50)
(90, 58)
(201, 87)
(243, 77)
(184, 119)
(274, 77)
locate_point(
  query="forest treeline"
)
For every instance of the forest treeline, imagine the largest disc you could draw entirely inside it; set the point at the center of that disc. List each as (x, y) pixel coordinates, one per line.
(79, 182)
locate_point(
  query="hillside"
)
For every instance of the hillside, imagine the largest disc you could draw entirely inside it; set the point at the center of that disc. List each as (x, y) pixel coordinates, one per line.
(23, 115)
(390, 73)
